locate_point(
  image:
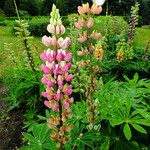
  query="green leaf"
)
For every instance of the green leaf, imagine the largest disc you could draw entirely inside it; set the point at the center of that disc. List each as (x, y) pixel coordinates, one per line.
(136, 77)
(115, 122)
(127, 131)
(49, 146)
(142, 122)
(30, 138)
(44, 135)
(139, 128)
(41, 117)
(105, 145)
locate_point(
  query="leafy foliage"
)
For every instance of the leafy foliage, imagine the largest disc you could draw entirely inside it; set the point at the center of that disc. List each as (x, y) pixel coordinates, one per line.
(39, 139)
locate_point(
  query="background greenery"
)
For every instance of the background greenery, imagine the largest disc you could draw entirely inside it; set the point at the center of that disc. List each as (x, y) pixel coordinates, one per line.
(43, 7)
(123, 90)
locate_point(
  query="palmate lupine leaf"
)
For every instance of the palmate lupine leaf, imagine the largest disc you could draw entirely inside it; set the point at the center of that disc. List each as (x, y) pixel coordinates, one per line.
(39, 139)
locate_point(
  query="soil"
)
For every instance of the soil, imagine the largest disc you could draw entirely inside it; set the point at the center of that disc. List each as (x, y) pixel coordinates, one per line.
(10, 123)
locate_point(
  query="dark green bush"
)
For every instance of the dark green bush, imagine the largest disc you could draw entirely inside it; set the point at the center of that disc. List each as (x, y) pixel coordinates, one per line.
(7, 23)
(16, 18)
(2, 18)
(2, 13)
(38, 25)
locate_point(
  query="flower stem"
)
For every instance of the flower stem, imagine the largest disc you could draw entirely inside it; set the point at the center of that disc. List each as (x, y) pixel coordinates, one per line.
(60, 104)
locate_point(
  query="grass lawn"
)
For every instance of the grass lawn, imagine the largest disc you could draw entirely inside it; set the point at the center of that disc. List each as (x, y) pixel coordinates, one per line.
(141, 38)
(6, 38)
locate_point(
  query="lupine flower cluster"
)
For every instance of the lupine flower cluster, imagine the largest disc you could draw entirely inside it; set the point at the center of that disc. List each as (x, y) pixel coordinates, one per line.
(83, 24)
(56, 78)
(125, 49)
(87, 22)
(133, 22)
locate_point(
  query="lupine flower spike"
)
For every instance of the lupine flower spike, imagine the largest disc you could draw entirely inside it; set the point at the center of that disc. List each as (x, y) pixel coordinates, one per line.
(57, 79)
(85, 22)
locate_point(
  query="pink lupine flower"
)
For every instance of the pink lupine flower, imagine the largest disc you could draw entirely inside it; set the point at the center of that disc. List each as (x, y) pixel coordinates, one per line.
(71, 100)
(51, 28)
(80, 23)
(65, 43)
(81, 53)
(62, 29)
(66, 67)
(68, 57)
(55, 107)
(69, 78)
(50, 83)
(46, 103)
(54, 41)
(83, 9)
(66, 105)
(58, 29)
(69, 65)
(59, 80)
(44, 94)
(82, 39)
(96, 9)
(51, 57)
(50, 97)
(45, 69)
(44, 80)
(68, 91)
(58, 95)
(56, 70)
(95, 35)
(43, 56)
(59, 56)
(90, 22)
(46, 40)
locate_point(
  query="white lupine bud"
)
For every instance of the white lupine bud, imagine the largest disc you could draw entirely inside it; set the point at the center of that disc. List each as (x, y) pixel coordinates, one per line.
(52, 14)
(51, 20)
(59, 22)
(60, 40)
(54, 22)
(54, 8)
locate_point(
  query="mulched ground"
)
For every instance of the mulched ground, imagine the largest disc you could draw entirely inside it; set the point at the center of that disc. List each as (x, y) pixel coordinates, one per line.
(10, 124)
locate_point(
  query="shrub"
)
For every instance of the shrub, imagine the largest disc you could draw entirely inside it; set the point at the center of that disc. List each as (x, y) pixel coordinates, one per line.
(37, 26)
(7, 23)
(2, 13)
